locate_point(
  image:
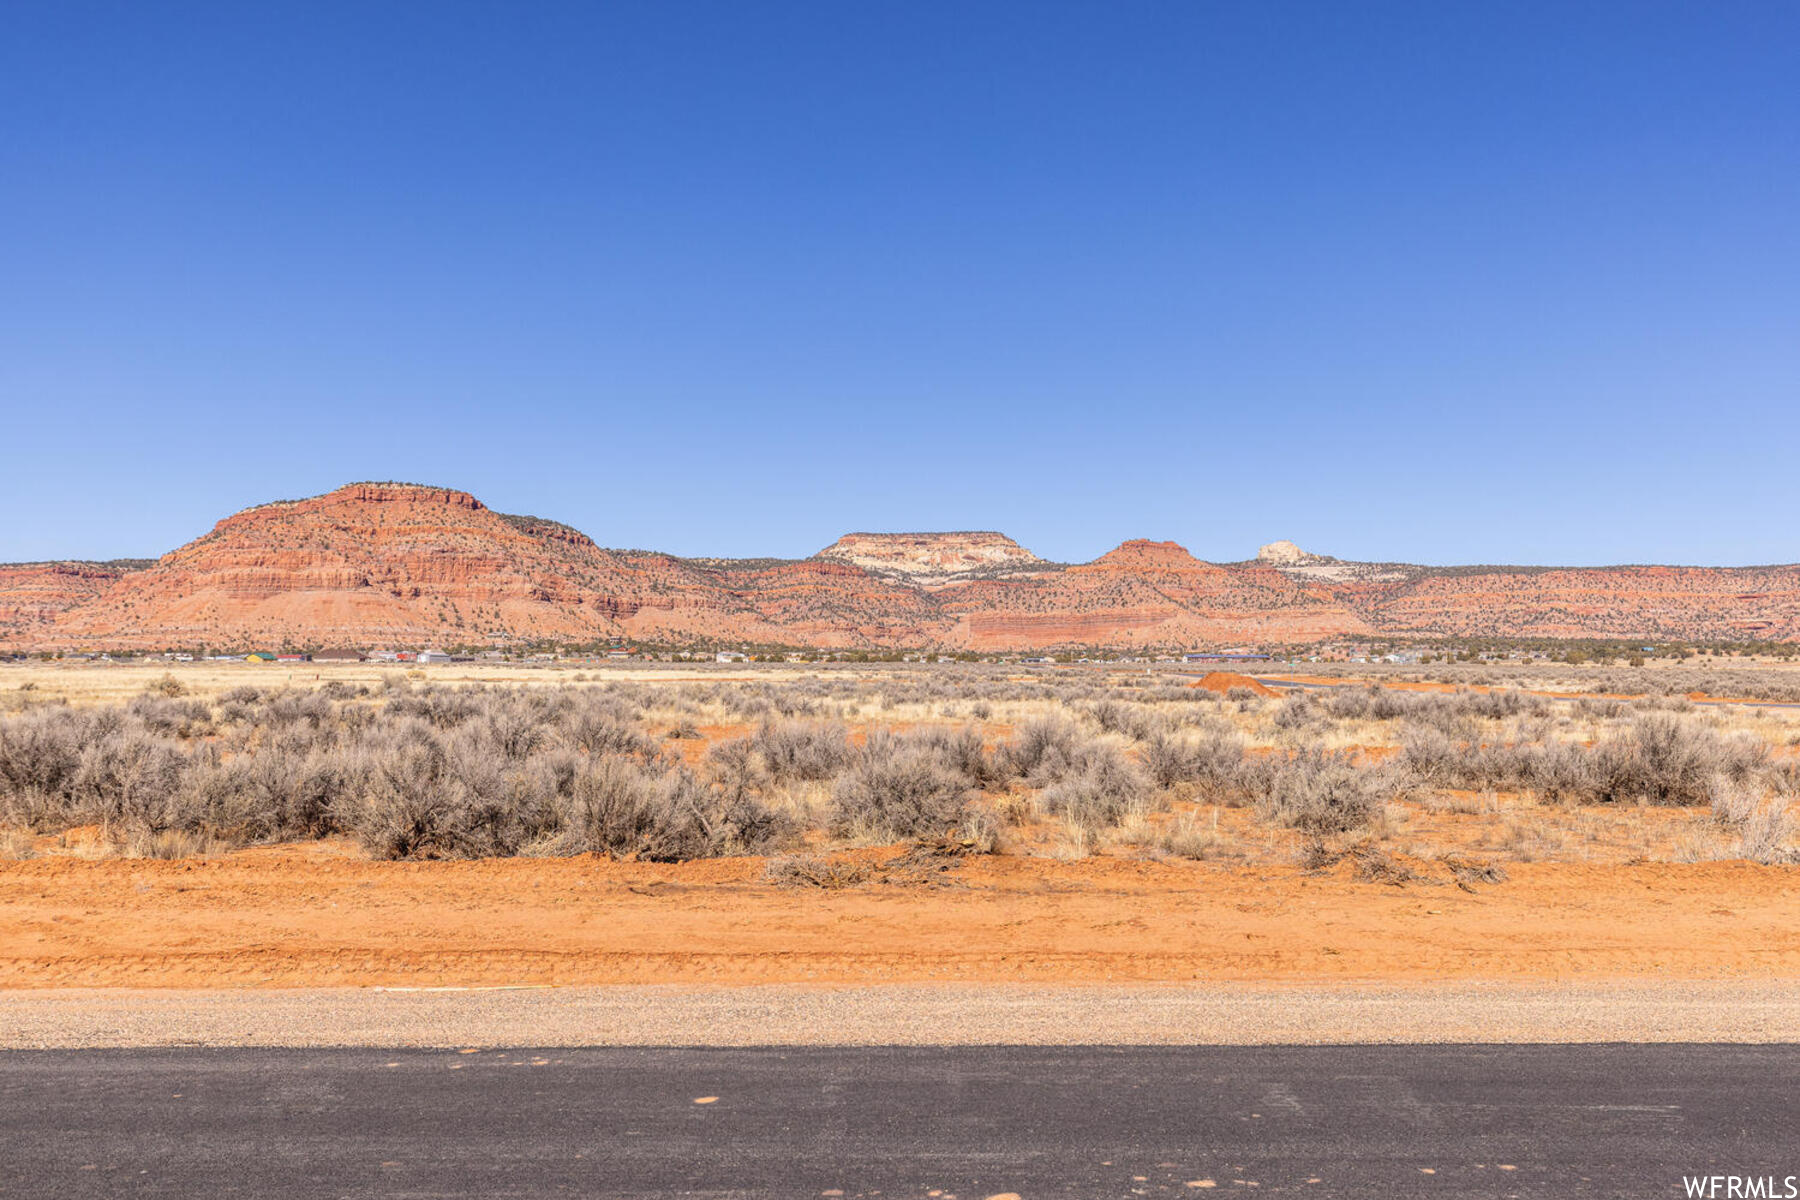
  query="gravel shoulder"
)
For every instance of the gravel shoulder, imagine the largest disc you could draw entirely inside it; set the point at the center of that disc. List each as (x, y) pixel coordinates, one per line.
(909, 1014)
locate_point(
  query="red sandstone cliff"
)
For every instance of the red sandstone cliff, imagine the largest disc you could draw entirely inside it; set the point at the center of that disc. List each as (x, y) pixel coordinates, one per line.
(33, 595)
(397, 564)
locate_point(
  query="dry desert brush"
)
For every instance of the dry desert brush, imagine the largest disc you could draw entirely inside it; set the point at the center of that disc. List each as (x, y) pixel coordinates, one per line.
(900, 786)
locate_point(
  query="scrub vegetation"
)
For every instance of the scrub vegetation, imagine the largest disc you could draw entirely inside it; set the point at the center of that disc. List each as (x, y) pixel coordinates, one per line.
(1058, 763)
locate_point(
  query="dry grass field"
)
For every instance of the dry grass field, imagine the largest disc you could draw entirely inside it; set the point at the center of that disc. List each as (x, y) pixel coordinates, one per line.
(299, 825)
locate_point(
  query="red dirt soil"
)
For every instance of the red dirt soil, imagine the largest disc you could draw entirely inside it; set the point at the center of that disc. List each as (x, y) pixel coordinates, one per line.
(314, 915)
(1223, 681)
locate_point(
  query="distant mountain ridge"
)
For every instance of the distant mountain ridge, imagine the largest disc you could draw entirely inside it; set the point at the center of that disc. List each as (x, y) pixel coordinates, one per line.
(390, 564)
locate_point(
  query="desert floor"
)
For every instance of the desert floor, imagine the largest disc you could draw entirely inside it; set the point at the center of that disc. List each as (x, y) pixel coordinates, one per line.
(319, 915)
(1640, 914)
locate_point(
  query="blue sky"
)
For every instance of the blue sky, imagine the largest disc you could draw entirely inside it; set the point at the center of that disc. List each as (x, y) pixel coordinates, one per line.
(1509, 282)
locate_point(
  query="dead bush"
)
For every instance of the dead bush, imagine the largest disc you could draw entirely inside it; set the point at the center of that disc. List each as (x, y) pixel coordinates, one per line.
(1759, 814)
(1322, 791)
(165, 844)
(1664, 759)
(161, 715)
(1298, 713)
(1734, 802)
(1185, 836)
(282, 794)
(419, 795)
(962, 750)
(802, 750)
(598, 730)
(1213, 759)
(898, 788)
(1468, 872)
(1562, 773)
(815, 871)
(737, 767)
(1118, 716)
(128, 781)
(621, 808)
(1767, 835)
(1099, 790)
(40, 755)
(983, 831)
(1039, 745)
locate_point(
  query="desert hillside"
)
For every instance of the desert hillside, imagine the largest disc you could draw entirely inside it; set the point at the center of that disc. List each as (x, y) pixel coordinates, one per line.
(402, 564)
(34, 594)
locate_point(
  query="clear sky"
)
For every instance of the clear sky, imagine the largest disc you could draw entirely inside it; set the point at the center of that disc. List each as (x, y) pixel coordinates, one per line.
(1443, 282)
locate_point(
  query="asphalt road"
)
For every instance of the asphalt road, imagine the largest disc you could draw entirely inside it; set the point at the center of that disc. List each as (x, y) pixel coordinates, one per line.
(968, 1122)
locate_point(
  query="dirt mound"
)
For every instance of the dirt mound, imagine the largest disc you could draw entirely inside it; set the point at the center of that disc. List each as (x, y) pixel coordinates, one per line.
(1223, 681)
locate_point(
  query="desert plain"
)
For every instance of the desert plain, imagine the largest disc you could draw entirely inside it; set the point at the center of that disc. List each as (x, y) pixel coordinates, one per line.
(241, 829)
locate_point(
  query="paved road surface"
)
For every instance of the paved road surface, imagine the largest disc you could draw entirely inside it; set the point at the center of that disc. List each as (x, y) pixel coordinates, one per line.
(1399, 1121)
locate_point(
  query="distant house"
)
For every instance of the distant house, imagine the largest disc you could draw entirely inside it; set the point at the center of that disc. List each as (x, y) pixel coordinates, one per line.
(293, 658)
(433, 656)
(340, 656)
(731, 656)
(259, 656)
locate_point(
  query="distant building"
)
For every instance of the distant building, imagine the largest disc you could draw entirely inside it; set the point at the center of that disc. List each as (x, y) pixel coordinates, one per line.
(340, 656)
(293, 658)
(731, 656)
(433, 656)
(259, 656)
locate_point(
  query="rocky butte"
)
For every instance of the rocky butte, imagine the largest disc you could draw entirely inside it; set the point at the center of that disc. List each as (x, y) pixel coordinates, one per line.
(931, 558)
(1283, 554)
(403, 564)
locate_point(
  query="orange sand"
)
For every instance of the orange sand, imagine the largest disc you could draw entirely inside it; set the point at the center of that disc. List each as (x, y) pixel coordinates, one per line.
(314, 915)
